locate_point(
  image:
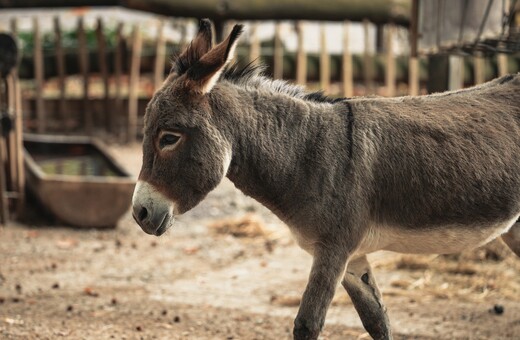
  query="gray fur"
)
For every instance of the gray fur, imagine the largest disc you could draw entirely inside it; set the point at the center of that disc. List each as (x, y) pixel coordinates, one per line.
(348, 177)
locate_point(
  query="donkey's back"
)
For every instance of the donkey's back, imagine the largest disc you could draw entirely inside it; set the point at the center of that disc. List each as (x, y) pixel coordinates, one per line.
(442, 170)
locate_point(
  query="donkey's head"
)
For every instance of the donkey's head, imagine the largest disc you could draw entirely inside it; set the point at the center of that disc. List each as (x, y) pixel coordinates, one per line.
(185, 156)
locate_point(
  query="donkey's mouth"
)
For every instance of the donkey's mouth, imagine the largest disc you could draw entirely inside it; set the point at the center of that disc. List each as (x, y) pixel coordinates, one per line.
(157, 229)
(165, 225)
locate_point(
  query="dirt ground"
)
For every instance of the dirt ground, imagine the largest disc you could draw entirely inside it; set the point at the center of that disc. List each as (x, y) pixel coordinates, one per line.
(229, 269)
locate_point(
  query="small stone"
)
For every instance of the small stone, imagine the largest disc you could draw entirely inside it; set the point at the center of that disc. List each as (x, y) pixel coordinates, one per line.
(113, 301)
(177, 319)
(70, 308)
(18, 288)
(498, 309)
(164, 312)
(55, 286)
(138, 328)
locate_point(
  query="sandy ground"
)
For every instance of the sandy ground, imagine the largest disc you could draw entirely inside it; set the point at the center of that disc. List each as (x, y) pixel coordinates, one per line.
(229, 269)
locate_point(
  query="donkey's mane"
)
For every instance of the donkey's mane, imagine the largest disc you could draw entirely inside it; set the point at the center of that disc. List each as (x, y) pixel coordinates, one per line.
(252, 76)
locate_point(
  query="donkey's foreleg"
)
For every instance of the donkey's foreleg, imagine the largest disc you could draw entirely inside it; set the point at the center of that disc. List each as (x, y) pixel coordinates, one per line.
(362, 289)
(327, 267)
(512, 238)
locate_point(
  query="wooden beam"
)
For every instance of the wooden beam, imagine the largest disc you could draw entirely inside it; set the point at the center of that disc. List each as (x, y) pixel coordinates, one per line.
(133, 95)
(18, 131)
(479, 69)
(39, 78)
(60, 68)
(347, 75)
(84, 69)
(115, 117)
(324, 61)
(413, 67)
(278, 53)
(301, 56)
(367, 59)
(160, 56)
(254, 43)
(103, 69)
(390, 61)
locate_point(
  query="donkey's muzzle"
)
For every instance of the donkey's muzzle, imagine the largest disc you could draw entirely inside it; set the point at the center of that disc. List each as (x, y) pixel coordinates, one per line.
(150, 209)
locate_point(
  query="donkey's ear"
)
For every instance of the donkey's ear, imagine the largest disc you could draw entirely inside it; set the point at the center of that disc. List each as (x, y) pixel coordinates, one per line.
(203, 76)
(200, 45)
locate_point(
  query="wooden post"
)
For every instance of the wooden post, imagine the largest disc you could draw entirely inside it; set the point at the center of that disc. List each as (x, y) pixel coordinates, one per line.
(39, 78)
(18, 131)
(60, 67)
(479, 69)
(11, 138)
(347, 75)
(278, 53)
(455, 72)
(84, 69)
(160, 56)
(133, 95)
(324, 61)
(103, 69)
(502, 64)
(390, 61)
(115, 117)
(254, 47)
(413, 67)
(301, 58)
(4, 212)
(367, 59)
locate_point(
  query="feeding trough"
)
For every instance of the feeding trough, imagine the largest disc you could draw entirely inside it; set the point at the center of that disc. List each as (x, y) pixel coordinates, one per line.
(77, 180)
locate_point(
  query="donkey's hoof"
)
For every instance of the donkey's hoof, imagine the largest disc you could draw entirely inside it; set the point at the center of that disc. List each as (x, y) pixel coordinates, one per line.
(303, 333)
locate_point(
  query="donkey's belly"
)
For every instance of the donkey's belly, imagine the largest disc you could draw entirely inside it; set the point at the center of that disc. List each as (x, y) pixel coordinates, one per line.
(436, 240)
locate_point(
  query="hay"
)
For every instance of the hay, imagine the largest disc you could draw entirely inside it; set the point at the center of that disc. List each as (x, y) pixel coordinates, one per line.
(248, 226)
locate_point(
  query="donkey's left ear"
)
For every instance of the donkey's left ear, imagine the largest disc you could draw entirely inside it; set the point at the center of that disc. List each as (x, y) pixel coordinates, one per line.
(204, 74)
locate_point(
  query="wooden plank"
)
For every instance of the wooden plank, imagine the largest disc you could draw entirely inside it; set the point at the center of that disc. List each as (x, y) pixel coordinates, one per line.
(278, 53)
(18, 131)
(301, 56)
(367, 59)
(254, 47)
(479, 69)
(503, 66)
(413, 68)
(60, 68)
(160, 56)
(379, 11)
(390, 61)
(324, 61)
(11, 138)
(84, 70)
(456, 72)
(39, 77)
(4, 213)
(103, 69)
(133, 94)
(115, 117)
(347, 75)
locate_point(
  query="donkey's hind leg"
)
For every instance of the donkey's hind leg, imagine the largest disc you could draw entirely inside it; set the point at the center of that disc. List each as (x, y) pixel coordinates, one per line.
(512, 238)
(362, 289)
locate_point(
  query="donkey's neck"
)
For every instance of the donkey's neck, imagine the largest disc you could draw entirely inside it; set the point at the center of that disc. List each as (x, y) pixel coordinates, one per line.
(282, 146)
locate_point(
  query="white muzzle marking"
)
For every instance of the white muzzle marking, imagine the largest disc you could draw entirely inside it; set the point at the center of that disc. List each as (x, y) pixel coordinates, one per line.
(158, 207)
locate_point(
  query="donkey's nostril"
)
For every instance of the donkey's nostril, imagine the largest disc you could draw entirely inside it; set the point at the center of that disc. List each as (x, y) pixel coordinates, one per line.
(143, 213)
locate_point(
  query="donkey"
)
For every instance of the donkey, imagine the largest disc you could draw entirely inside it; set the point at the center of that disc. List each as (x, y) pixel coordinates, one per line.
(429, 174)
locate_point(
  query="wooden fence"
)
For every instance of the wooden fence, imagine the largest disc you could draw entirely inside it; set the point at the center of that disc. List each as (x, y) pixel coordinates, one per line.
(116, 113)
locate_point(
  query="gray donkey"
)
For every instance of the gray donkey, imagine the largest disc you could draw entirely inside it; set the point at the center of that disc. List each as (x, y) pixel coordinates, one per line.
(430, 174)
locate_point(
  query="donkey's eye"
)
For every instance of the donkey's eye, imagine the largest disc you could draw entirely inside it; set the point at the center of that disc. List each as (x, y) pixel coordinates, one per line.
(169, 139)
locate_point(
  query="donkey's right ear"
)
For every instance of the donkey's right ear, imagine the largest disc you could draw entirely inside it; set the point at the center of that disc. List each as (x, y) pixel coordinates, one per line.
(199, 46)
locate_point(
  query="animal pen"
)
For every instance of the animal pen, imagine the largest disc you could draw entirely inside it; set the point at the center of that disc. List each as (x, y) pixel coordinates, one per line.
(95, 77)
(83, 78)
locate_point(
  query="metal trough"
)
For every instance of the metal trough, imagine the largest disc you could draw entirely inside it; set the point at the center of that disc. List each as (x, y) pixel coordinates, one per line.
(77, 180)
